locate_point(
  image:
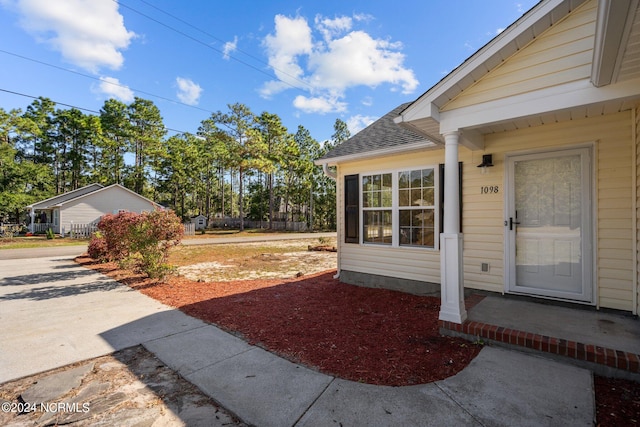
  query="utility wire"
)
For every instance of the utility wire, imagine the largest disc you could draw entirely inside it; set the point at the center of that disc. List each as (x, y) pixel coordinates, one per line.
(148, 93)
(57, 67)
(77, 108)
(207, 45)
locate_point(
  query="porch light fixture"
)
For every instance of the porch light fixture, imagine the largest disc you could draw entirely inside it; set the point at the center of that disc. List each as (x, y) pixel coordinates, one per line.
(487, 161)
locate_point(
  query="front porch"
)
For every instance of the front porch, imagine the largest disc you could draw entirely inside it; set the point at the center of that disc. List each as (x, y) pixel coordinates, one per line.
(605, 342)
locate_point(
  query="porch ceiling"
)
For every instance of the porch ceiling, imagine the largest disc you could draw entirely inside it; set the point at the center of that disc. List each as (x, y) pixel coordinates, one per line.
(574, 113)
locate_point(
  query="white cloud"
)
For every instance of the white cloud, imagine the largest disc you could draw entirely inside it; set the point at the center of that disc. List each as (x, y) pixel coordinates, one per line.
(229, 47)
(292, 38)
(358, 59)
(319, 104)
(363, 17)
(112, 88)
(336, 59)
(358, 122)
(89, 34)
(188, 91)
(330, 28)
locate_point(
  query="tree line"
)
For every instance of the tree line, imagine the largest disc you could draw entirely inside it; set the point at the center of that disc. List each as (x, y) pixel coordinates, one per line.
(237, 164)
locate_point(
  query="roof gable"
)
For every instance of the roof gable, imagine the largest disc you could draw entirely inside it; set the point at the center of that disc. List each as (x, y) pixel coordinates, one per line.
(562, 54)
(90, 190)
(580, 80)
(117, 187)
(382, 136)
(62, 198)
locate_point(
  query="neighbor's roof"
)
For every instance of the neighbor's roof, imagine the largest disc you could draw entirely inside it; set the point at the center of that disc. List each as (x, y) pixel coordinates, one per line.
(383, 136)
(61, 198)
(85, 191)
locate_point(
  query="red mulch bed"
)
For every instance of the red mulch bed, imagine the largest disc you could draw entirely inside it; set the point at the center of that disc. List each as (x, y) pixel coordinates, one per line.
(617, 402)
(375, 336)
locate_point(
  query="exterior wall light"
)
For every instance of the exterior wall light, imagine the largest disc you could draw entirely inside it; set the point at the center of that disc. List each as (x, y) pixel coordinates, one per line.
(487, 161)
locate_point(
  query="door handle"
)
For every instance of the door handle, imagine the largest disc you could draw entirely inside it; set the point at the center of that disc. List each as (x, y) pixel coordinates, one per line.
(512, 222)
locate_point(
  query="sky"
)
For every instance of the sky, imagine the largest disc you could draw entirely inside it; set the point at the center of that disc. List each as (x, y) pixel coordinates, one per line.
(309, 62)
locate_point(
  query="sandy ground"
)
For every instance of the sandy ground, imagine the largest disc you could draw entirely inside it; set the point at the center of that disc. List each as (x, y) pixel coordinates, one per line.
(263, 261)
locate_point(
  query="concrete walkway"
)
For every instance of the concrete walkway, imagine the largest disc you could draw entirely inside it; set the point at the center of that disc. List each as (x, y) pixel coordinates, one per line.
(54, 312)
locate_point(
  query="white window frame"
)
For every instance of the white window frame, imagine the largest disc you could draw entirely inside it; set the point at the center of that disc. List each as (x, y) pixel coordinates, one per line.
(364, 209)
(395, 208)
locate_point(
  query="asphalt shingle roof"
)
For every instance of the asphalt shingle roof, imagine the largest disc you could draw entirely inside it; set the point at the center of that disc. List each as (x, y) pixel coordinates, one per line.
(381, 134)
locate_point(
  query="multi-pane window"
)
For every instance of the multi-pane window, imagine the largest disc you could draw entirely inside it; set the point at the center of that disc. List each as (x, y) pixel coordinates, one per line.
(377, 203)
(399, 208)
(416, 207)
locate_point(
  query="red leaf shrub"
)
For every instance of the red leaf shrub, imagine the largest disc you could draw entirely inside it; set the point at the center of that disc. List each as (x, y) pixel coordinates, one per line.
(153, 236)
(117, 231)
(141, 239)
(97, 247)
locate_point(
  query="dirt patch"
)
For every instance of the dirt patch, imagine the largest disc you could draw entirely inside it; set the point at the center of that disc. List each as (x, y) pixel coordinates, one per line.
(261, 266)
(259, 260)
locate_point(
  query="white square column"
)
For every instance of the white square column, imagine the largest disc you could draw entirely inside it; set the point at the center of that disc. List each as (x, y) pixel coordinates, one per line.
(451, 274)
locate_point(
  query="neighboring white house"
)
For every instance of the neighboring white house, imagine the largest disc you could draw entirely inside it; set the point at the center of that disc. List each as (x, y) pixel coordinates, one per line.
(516, 173)
(85, 206)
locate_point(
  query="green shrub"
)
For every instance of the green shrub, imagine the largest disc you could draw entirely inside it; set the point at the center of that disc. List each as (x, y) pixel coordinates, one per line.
(50, 234)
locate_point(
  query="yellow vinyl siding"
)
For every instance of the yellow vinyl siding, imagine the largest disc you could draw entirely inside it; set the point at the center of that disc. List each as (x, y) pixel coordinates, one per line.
(612, 164)
(483, 214)
(402, 262)
(615, 216)
(482, 224)
(393, 262)
(636, 135)
(560, 55)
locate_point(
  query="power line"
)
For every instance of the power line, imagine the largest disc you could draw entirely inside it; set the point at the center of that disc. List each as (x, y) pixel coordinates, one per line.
(57, 103)
(57, 67)
(73, 106)
(207, 45)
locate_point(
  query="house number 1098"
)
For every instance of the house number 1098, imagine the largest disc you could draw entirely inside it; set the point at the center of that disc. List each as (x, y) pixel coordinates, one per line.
(489, 189)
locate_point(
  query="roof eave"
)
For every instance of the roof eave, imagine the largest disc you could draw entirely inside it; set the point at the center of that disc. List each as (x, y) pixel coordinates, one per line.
(399, 149)
(611, 37)
(516, 36)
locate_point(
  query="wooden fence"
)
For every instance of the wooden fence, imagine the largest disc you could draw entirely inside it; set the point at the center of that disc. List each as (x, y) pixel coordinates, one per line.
(276, 225)
(41, 227)
(82, 231)
(189, 229)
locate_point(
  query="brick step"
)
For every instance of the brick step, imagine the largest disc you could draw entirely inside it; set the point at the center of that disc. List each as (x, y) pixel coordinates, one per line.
(578, 351)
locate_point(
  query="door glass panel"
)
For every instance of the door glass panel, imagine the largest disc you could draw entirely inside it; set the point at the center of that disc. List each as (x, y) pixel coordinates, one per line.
(548, 208)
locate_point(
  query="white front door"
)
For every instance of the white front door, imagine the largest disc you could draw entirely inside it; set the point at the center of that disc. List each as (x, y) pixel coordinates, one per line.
(549, 224)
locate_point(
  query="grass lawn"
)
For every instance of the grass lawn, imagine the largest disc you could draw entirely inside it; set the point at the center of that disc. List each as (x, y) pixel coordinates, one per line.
(236, 233)
(40, 241)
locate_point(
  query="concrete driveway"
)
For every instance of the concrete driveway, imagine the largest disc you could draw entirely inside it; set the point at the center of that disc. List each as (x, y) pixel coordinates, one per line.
(54, 312)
